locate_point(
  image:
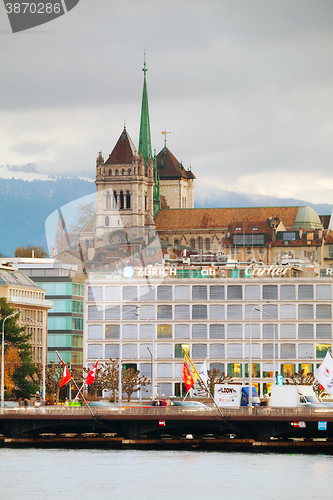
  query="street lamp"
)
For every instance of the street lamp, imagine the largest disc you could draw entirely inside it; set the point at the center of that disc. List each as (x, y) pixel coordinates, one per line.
(120, 389)
(43, 355)
(3, 359)
(153, 357)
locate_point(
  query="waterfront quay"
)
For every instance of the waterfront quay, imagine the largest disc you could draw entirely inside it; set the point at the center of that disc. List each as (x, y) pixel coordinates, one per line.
(168, 427)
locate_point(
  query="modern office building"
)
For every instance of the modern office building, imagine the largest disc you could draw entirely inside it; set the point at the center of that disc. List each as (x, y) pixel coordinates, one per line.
(209, 314)
(63, 287)
(26, 296)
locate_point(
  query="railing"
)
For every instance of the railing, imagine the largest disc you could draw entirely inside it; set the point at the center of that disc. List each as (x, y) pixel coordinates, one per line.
(259, 412)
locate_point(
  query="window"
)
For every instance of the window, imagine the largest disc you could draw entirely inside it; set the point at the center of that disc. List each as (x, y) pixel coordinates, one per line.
(94, 312)
(164, 370)
(199, 311)
(182, 292)
(271, 310)
(200, 243)
(235, 370)
(130, 293)
(251, 308)
(288, 292)
(305, 292)
(321, 350)
(199, 292)
(288, 311)
(112, 293)
(147, 293)
(147, 312)
(199, 331)
(234, 292)
(164, 331)
(288, 351)
(95, 332)
(123, 172)
(323, 332)
(144, 352)
(305, 311)
(182, 312)
(128, 199)
(255, 333)
(287, 370)
(207, 245)
(270, 292)
(255, 370)
(288, 331)
(130, 351)
(216, 331)
(217, 311)
(182, 331)
(217, 351)
(305, 331)
(164, 351)
(107, 201)
(323, 292)
(164, 312)
(199, 351)
(235, 351)
(112, 312)
(121, 200)
(146, 331)
(267, 351)
(95, 351)
(95, 293)
(130, 332)
(252, 292)
(216, 292)
(179, 350)
(192, 243)
(106, 223)
(234, 311)
(112, 332)
(305, 351)
(324, 311)
(129, 312)
(164, 293)
(234, 331)
(268, 331)
(145, 369)
(111, 351)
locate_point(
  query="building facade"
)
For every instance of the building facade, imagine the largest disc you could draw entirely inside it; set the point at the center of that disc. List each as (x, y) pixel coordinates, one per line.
(209, 316)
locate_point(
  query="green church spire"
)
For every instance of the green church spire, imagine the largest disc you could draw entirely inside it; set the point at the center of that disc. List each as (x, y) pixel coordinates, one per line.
(144, 138)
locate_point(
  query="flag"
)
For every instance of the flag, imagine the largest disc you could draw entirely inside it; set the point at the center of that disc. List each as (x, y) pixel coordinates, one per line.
(92, 374)
(164, 132)
(66, 376)
(324, 374)
(190, 373)
(203, 373)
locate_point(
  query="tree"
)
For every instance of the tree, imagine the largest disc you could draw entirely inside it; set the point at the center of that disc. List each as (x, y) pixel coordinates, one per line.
(300, 378)
(39, 252)
(84, 214)
(214, 377)
(111, 376)
(133, 382)
(12, 361)
(24, 374)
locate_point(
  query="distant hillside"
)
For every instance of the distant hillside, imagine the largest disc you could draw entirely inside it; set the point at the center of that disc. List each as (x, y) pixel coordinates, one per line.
(25, 205)
(222, 198)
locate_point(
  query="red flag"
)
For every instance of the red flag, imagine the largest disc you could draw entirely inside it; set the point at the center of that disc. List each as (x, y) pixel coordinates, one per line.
(66, 376)
(190, 373)
(92, 374)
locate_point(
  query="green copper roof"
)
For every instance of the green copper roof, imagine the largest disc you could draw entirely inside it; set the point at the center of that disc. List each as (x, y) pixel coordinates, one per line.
(144, 138)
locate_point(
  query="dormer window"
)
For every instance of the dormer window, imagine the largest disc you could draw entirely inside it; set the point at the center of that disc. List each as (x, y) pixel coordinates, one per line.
(238, 228)
(254, 229)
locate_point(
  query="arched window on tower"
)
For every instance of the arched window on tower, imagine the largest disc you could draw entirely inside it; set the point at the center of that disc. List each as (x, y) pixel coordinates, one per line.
(128, 199)
(107, 201)
(121, 200)
(207, 245)
(192, 243)
(200, 243)
(107, 222)
(110, 173)
(130, 171)
(115, 200)
(117, 172)
(146, 202)
(123, 172)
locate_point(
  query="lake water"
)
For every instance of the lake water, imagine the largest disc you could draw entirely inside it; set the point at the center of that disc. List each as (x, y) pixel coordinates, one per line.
(126, 474)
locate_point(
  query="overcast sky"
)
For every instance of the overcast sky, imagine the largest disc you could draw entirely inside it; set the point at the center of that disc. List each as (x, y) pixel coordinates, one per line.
(243, 86)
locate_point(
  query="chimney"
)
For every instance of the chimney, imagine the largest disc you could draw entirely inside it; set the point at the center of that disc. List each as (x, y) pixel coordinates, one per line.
(53, 253)
(320, 233)
(300, 233)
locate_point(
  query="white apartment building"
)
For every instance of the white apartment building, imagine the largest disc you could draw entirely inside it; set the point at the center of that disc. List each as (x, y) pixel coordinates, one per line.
(209, 317)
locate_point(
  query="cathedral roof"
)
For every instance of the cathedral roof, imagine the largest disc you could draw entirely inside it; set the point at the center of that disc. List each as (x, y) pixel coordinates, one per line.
(187, 219)
(124, 150)
(169, 167)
